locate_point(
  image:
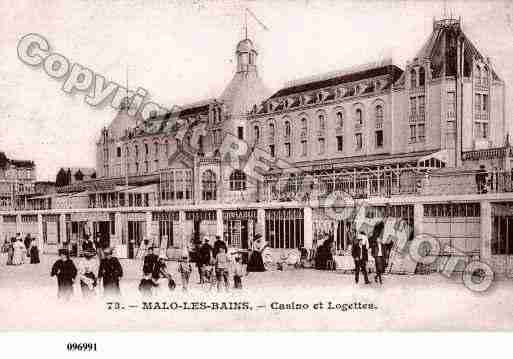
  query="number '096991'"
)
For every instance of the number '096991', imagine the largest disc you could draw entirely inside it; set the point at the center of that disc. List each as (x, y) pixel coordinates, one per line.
(81, 347)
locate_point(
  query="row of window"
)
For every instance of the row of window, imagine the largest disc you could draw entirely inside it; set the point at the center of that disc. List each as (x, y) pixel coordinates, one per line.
(452, 210)
(321, 144)
(177, 184)
(323, 95)
(321, 123)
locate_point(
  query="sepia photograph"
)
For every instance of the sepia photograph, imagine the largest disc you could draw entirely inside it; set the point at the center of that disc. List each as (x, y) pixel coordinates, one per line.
(255, 166)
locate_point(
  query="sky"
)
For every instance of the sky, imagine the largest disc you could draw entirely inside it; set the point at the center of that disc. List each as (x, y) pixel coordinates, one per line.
(183, 51)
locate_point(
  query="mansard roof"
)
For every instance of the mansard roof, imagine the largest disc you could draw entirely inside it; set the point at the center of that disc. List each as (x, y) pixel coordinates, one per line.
(341, 77)
(171, 121)
(440, 49)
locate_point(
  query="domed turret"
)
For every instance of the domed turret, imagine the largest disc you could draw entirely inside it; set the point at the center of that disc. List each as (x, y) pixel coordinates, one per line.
(246, 56)
(246, 87)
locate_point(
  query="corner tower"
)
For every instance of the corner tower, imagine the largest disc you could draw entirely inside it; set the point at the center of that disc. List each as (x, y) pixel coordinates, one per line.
(244, 90)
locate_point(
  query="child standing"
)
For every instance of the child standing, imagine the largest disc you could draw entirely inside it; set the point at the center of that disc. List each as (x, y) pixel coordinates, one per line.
(147, 285)
(238, 272)
(185, 269)
(222, 263)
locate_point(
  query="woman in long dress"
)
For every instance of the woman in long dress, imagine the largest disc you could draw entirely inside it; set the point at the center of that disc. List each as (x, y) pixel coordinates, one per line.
(34, 252)
(256, 262)
(10, 253)
(19, 252)
(88, 268)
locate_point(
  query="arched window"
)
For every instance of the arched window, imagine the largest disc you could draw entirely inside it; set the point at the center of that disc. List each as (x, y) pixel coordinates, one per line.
(477, 74)
(413, 78)
(340, 119)
(209, 185)
(257, 133)
(304, 126)
(484, 79)
(156, 146)
(271, 130)
(237, 181)
(359, 117)
(136, 151)
(287, 129)
(379, 115)
(322, 123)
(422, 76)
(167, 148)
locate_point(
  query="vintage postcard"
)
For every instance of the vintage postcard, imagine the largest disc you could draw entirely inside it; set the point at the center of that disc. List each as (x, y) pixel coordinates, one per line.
(256, 166)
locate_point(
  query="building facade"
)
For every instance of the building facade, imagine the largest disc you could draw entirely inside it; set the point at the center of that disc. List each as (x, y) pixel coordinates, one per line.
(17, 180)
(426, 146)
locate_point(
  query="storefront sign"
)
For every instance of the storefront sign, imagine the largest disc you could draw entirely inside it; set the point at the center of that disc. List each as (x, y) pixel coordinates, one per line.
(165, 216)
(240, 214)
(323, 167)
(93, 217)
(201, 215)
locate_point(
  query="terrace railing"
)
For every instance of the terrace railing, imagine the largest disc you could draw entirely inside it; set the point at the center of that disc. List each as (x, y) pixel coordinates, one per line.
(357, 185)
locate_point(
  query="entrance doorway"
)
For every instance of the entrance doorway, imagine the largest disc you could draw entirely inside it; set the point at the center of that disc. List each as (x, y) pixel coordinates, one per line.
(237, 233)
(102, 231)
(136, 230)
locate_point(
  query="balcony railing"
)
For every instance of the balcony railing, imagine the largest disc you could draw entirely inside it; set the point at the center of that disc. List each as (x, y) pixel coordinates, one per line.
(357, 184)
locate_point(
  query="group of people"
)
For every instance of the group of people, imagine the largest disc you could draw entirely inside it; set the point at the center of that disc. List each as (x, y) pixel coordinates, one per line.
(20, 250)
(214, 265)
(361, 245)
(89, 274)
(379, 251)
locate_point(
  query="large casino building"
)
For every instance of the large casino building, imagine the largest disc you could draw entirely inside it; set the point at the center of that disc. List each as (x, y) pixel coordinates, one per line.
(426, 145)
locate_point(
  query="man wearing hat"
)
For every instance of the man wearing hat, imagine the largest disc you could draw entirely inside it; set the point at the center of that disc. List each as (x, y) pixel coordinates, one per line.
(218, 244)
(65, 270)
(88, 268)
(360, 255)
(151, 262)
(109, 273)
(205, 256)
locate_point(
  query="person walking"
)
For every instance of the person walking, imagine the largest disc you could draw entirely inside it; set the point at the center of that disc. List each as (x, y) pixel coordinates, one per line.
(34, 252)
(27, 242)
(19, 252)
(205, 257)
(151, 263)
(361, 256)
(98, 246)
(109, 274)
(185, 269)
(10, 253)
(222, 263)
(88, 245)
(88, 268)
(255, 261)
(66, 272)
(379, 253)
(147, 285)
(238, 273)
(219, 243)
